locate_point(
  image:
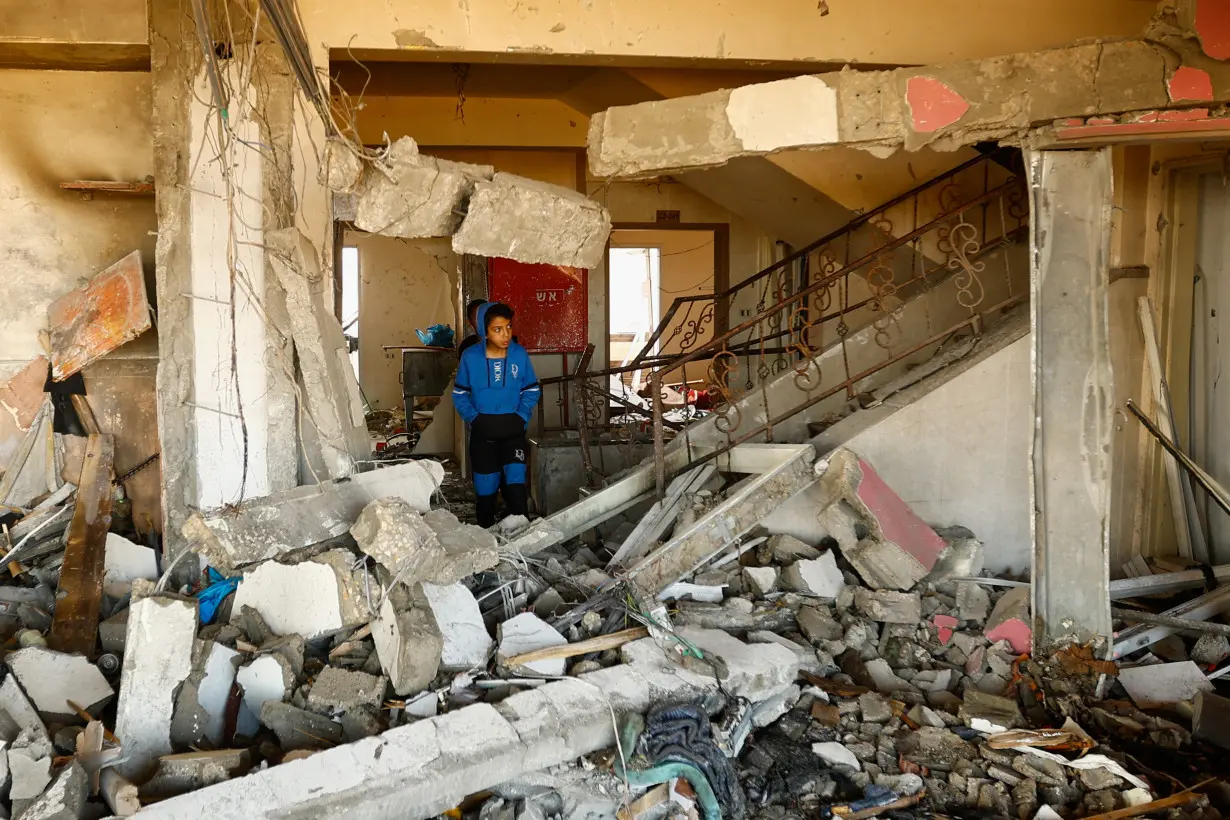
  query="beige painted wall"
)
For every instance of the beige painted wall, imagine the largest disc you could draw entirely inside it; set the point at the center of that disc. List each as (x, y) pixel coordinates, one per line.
(533, 123)
(62, 126)
(404, 284)
(556, 167)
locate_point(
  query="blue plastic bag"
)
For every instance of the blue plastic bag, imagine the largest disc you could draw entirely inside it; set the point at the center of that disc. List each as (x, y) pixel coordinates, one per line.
(436, 336)
(212, 596)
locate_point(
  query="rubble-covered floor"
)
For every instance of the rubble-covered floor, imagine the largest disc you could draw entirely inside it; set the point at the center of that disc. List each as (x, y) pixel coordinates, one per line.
(861, 676)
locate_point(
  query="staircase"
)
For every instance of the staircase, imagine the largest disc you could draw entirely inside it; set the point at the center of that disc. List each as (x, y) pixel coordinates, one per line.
(812, 350)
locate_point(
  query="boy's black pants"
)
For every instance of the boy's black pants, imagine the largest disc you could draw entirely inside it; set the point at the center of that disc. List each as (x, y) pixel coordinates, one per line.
(498, 453)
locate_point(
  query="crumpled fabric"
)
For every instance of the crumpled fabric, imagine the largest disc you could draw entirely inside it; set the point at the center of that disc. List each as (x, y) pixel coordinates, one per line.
(682, 734)
(212, 596)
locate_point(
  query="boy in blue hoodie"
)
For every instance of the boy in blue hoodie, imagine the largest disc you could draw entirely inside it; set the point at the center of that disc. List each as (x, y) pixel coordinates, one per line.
(495, 392)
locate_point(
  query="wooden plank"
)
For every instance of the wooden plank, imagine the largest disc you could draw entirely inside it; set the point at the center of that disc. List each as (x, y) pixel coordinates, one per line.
(90, 322)
(106, 186)
(75, 625)
(598, 644)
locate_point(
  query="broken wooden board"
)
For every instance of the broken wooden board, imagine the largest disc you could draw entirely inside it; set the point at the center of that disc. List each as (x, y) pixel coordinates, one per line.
(90, 322)
(75, 625)
(22, 395)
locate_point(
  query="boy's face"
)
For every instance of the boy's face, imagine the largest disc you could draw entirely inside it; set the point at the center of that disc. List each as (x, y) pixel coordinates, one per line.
(499, 332)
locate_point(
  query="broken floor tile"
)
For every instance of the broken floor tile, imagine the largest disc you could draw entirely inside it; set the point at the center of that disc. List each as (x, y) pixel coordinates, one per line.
(1009, 621)
(342, 690)
(760, 581)
(836, 754)
(526, 633)
(786, 549)
(161, 635)
(51, 679)
(467, 644)
(1163, 684)
(278, 592)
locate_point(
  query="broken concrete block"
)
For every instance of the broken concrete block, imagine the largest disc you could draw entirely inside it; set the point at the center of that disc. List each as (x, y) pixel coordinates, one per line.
(299, 729)
(973, 602)
(1010, 621)
(530, 221)
(456, 537)
(409, 645)
(30, 770)
(401, 540)
(996, 710)
(818, 624)
(836, 754)
(52, 679)
(278, 591)
(961, 559)
(267, 678)
(884, 678)
(161, 636)
(526, 633)
(786, 549)
(64, 799)
(1163, 684)
(342, 167)
(200, 706)
(17, 715)
(467, 644)
(416, 196)
(819, 577)
(126, 562)
(937, 749)
(340, 690)
(183, 773)
(899, 549)
(760, 581)
(1210, 650)
(874, 708)
(265, 528)
(887, 606)
(120, 795)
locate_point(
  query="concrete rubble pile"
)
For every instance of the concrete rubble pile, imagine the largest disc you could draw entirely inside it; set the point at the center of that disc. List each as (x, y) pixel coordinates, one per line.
(369, 653)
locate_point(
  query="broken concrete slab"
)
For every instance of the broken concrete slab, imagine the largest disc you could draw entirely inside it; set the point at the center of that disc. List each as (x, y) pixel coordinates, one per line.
(182, 773)
(787, 549)
(340, 690)
(277, 591)
(341, 168)
(819, 577)
(52, 679)
(467, 644)
(212, 678)
(265, 528)
(334, 432)
(126, 562)
(456, 537)
(64, 799)
(298, 728)
(754, 671)
(267, 678)
(18, 714)
(1009, 621)
(899, 549)
(161, 638)
(531, 221)
(400, 539)
(409, 645)
(30, 770)
(431, 765)
(415, 196)
(973, 602)
(836, 754)
(526, 633)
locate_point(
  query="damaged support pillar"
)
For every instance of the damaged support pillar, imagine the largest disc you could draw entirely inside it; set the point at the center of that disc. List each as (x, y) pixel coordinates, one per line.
(1070, 200)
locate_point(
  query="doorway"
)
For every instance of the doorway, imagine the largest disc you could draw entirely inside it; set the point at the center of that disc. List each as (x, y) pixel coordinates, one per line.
(649, 267)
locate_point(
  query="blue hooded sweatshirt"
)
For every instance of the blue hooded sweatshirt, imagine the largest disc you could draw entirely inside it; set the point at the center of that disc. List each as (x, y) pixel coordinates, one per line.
(494, 386)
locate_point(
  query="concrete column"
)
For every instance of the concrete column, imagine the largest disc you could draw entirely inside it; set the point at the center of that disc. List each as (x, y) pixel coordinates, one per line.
(225, 372)
(1070, 202)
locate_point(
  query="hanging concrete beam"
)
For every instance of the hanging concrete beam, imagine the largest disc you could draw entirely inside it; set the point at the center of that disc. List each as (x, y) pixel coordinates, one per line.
(1070, 199)
(943, 106)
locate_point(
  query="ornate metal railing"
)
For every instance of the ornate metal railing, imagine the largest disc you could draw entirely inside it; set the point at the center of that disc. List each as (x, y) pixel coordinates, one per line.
(948, 241)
